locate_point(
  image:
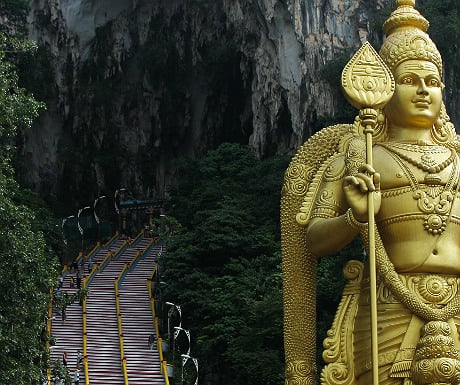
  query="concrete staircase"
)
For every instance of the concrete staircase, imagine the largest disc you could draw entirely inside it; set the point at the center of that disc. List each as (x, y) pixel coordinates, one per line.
(103, 341)
(143, 365)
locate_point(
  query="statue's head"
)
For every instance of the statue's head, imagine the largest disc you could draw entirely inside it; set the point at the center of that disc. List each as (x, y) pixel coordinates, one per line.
(406, 38)
(409, 50)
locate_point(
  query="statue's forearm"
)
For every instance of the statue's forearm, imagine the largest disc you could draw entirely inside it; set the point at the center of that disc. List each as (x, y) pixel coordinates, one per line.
(326, 236)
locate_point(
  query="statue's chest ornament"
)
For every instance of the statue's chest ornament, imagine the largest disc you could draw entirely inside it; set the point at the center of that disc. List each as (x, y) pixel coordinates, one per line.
(433, 199)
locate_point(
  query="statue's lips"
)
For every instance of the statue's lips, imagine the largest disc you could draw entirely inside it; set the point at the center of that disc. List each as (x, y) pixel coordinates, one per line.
(422, 103)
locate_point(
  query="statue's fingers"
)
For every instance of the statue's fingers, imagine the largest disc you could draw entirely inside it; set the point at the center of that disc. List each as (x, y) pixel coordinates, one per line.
(365, 182)
(350, 181)
(377, 181)
(366, 169)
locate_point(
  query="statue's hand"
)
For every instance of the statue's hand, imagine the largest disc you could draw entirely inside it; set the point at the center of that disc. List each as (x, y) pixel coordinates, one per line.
(356, 189)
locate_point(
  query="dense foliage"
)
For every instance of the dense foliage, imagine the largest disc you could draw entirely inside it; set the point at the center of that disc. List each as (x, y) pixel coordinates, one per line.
(223, 264)
(27, 265)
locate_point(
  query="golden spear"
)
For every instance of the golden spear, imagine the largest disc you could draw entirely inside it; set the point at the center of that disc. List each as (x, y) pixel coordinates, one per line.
(368, 85)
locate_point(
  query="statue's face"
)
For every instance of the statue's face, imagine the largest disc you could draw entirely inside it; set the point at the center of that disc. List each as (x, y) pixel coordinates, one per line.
(417, 99)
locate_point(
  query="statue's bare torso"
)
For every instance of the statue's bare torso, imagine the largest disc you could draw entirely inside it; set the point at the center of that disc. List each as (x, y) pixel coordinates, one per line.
(401, 223)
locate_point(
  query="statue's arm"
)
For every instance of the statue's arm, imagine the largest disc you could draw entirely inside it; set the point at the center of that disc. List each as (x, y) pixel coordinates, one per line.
(329, 229)
(327, 236)
(340, 210)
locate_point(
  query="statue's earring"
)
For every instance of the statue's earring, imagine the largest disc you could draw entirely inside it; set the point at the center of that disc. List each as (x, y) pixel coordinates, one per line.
(443, 130)
(439, 131)
(380, 129)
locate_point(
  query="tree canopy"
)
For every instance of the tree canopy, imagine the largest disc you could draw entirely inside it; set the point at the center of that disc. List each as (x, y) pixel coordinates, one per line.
(27, 265)
(223, 264)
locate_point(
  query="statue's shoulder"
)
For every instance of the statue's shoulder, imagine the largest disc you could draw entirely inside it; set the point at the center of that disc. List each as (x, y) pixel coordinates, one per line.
(314, 155)
(320, 154)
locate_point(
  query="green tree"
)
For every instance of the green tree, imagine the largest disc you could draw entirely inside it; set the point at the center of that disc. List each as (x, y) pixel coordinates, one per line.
(223, 265)
(27, 266)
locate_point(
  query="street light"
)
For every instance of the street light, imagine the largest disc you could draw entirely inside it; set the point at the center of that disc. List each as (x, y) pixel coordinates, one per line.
(185, 358)
(177, 331)
(62, 226)
(117, 209)
(79, 226)
(170, 314)
(97, 218)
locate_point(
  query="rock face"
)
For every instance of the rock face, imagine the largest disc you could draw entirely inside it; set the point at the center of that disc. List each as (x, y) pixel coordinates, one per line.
(139, 83)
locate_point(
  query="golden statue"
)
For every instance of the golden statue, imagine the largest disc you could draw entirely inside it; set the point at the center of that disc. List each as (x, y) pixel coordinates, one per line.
(399, 193)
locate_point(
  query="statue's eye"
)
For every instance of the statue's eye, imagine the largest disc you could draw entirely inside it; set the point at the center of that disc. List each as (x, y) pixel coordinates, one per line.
(407, 80)
(433, 82)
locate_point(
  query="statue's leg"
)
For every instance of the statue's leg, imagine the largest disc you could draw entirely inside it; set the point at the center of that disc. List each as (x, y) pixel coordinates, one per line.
(338, 345)
(395, 345)
(384, 379)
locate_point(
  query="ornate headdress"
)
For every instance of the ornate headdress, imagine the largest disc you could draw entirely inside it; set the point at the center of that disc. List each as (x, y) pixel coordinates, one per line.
(407, 38)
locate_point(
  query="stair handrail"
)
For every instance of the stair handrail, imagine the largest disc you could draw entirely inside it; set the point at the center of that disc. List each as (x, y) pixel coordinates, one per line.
(93, 251)
(98, 267)
(121, 249)
(128, 267)
(85, 339)
(138, 236)
(111, 240)
(163, 362)
(120, 323)
(140, 254)
(48, 334)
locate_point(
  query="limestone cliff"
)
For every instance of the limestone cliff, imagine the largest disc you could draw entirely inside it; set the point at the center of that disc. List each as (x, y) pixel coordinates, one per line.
(139, 83)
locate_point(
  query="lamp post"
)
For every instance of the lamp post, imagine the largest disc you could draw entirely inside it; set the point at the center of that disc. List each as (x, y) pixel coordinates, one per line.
(185, 358)
(171, 310)
(81, 228)
(162, 231)
(62, 226)
(96, 218)
(117, 209)
(177, 330)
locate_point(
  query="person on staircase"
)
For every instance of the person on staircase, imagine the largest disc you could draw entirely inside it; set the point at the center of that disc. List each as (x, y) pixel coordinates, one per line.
(76, 377)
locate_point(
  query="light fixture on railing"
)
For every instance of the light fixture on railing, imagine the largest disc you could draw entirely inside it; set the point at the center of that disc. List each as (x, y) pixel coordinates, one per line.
(172, 309)
(187, 333)
(96, 218)
(120, 190)
(117, 208)
(81, 228)
(185, 358)
(62, 226)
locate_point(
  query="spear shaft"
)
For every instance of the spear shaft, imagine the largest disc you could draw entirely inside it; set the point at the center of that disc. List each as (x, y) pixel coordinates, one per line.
(368, 85)
(368, 117)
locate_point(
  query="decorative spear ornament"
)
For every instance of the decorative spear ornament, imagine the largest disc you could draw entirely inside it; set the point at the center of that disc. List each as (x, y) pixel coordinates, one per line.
(368, 85)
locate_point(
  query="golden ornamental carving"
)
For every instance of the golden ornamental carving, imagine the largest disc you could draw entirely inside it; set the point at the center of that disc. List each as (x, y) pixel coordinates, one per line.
(296, 179)
(338, 345)
(366, 80)
(436, 359)
(402, 148)
(300, 373)
(318, 153)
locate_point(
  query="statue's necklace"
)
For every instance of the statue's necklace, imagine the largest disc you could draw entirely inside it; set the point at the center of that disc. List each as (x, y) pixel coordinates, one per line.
(436, 213)
(427, 163)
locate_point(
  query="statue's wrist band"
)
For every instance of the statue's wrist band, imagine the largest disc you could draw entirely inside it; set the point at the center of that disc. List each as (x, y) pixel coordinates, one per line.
(352, 221)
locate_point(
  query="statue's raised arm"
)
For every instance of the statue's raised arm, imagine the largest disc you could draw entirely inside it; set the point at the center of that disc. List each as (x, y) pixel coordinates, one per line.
(414, 180)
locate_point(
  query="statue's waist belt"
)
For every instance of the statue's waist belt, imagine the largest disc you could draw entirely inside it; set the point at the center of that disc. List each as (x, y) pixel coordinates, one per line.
(435, 289)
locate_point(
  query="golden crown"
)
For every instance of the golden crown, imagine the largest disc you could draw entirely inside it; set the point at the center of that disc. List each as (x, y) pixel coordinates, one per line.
(406, 37)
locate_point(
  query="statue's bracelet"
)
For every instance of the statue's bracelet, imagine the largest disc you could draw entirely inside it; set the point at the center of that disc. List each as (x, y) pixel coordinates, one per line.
(352, 221)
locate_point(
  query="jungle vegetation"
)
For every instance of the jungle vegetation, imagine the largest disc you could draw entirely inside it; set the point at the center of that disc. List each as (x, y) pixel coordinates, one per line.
(223, 263)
